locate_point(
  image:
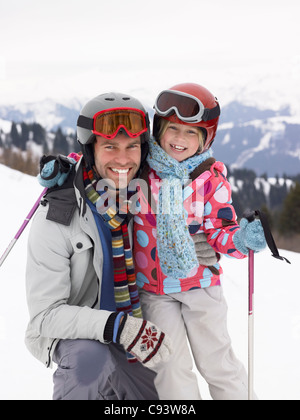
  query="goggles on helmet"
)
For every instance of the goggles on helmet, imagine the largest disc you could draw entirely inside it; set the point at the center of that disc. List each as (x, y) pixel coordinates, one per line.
(107, 123)
(188, 108)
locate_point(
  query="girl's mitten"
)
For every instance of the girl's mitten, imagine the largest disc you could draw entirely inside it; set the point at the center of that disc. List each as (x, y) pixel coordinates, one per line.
(54, 170)
(249, 236)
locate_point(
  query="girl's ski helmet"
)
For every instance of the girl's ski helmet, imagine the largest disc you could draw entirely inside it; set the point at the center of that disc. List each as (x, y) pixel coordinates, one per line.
(188, 103)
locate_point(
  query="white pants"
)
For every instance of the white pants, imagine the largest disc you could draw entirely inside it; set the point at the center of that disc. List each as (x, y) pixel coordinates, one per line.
(199, 315)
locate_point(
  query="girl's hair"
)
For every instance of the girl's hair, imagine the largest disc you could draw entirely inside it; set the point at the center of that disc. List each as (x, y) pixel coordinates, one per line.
(164, 124)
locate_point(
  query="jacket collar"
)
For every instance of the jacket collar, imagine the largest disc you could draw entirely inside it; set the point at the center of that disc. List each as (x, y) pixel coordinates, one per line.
(79, 187)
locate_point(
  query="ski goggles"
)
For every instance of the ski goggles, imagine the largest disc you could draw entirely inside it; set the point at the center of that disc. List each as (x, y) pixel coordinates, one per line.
(188, 108)
(107, 123)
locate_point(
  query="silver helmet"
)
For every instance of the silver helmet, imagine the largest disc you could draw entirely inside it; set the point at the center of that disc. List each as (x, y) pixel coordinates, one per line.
(106, 102)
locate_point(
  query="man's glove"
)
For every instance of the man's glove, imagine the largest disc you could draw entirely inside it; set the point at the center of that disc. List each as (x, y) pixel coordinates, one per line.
(249, 236)
(54, 170)
(205, 253)
(144, 340)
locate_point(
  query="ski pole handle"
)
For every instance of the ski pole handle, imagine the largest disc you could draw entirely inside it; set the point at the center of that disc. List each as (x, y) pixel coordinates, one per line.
(22, 228)
(249, 215)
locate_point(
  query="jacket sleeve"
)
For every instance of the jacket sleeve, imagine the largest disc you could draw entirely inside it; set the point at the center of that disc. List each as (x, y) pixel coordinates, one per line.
(49, 285)
(220, 220)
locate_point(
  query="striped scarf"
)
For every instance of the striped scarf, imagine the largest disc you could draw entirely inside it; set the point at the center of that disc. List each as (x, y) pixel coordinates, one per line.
(125, 288)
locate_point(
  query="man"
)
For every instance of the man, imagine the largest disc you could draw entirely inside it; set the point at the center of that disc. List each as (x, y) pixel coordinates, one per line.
(80, 279)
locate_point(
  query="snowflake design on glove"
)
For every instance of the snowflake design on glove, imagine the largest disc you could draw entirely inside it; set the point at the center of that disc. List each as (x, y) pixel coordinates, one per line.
(149, 338)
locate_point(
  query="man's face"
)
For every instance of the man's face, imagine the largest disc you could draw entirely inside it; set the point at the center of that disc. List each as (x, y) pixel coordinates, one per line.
(118, 159)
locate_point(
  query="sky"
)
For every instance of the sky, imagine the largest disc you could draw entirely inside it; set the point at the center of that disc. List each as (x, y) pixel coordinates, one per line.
(70, 48)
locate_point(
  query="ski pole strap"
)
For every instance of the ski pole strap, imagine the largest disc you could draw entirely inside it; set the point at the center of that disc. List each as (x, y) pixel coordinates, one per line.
(250, 216)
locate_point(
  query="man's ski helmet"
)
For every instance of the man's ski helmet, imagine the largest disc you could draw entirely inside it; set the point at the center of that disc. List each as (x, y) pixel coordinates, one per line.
(124, 112)
(188, 103)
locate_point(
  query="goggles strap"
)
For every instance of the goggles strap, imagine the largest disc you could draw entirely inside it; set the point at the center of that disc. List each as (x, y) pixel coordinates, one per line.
(211, 114)
(85, 122)
(88, 123)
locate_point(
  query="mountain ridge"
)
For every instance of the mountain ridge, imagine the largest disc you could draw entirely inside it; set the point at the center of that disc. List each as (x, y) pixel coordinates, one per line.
(264, 140)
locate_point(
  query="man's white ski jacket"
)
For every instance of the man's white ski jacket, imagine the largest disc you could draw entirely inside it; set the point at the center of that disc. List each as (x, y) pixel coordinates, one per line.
(64, 272)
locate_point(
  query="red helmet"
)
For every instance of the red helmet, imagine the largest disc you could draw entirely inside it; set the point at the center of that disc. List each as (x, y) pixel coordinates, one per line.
(189, 104)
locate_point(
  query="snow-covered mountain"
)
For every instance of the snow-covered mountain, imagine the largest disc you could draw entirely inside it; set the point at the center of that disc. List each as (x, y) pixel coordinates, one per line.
(276, 310)
(265, 140)
(49, 113)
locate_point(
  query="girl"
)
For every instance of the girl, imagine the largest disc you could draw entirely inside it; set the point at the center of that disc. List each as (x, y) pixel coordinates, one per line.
(189, 195)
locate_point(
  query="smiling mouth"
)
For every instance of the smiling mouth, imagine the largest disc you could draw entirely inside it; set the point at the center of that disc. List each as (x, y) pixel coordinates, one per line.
(178, 148)
(119, 171)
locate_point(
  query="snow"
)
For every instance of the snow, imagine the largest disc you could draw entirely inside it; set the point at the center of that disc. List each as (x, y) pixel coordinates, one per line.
(5, 126)
(277, 313)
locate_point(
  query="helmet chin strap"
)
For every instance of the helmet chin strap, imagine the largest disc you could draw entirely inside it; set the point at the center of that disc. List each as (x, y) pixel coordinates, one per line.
(88, 154)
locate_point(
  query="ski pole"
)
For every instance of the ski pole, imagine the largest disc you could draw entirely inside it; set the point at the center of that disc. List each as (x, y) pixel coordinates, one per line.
(251, 327)
(22, 228)
(250, 216)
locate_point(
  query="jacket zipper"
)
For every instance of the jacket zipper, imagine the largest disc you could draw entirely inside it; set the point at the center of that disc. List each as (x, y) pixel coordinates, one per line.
(49, 353)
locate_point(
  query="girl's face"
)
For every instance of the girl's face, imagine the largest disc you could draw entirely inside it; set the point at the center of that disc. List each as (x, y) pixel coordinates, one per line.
(180, 141)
